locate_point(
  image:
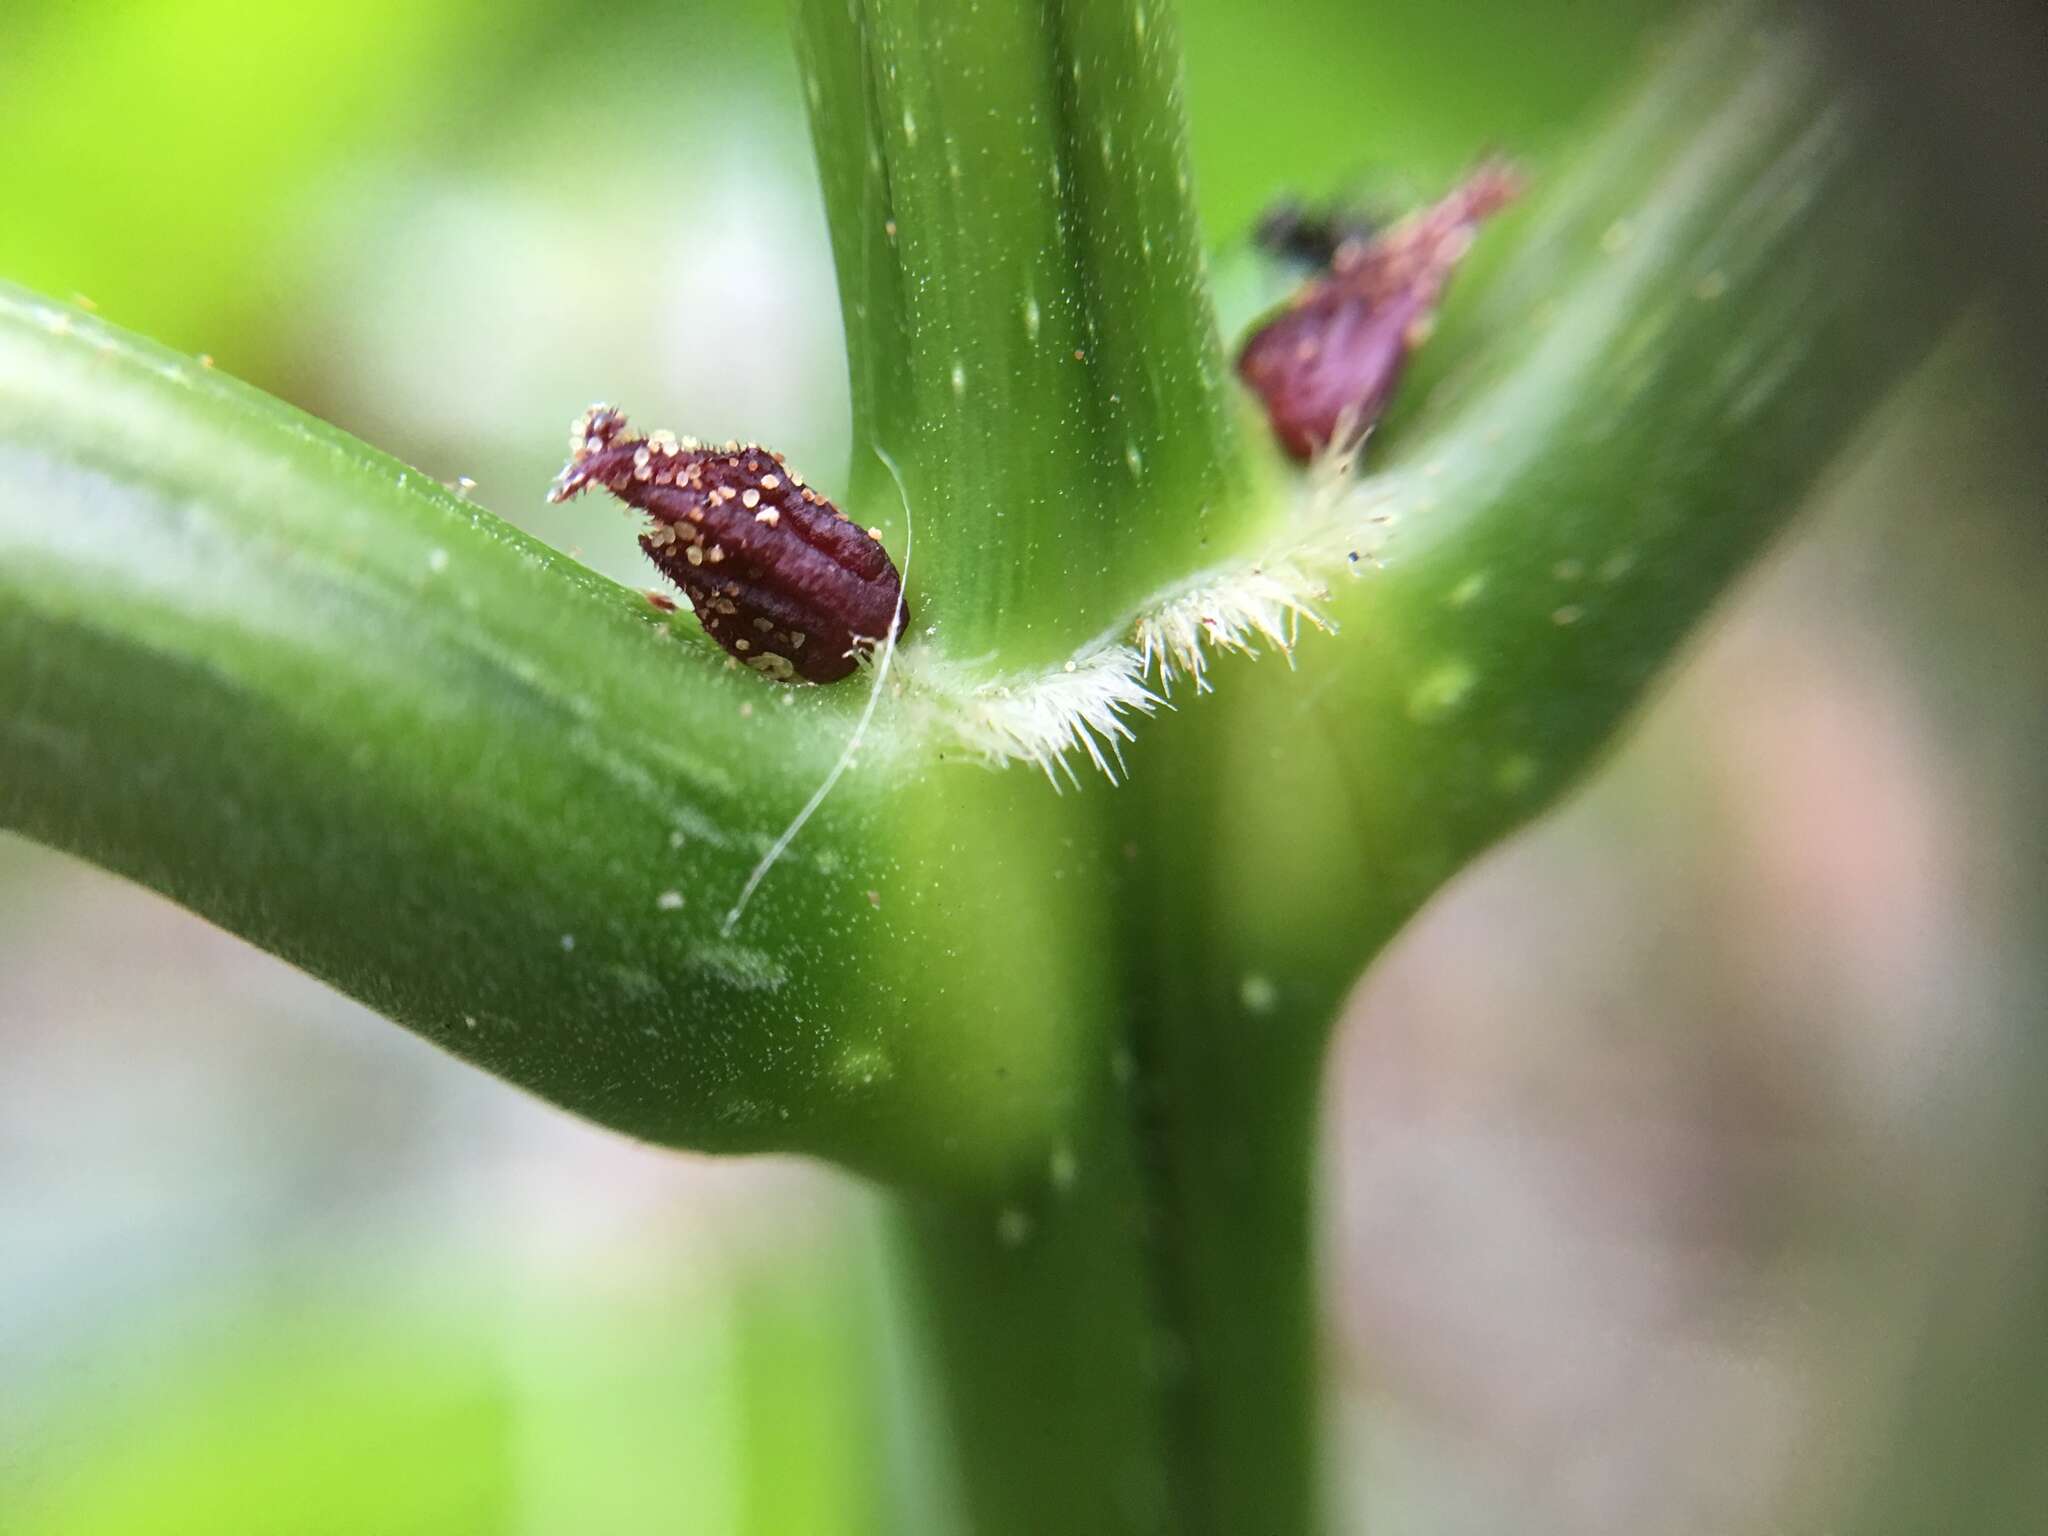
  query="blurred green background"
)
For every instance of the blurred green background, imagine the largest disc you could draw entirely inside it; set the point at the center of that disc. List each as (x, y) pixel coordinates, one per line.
(1685, 1164)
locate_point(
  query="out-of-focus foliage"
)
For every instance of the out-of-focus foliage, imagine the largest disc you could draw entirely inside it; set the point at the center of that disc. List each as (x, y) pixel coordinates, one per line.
(722, 1397)
(159, 153)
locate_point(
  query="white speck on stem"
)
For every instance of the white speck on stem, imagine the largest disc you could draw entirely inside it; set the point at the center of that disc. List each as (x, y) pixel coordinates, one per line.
(1064, 1168)
(1013, 1227)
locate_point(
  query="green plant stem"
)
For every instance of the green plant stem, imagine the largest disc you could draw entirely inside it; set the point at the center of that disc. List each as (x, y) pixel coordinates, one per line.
(1688, 336)
(314, 696)
(1044, 1332)
(340, 711)
(1030, 333)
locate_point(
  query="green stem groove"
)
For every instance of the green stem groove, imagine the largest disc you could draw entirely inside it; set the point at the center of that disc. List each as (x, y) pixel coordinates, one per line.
(1030, 335)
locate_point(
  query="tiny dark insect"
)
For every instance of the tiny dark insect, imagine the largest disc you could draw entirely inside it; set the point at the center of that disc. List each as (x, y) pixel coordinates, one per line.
(1311, 237)
(780, 577)
(1326, 365)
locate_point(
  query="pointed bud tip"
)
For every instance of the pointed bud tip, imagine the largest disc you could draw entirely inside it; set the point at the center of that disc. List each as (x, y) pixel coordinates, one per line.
(591, 433)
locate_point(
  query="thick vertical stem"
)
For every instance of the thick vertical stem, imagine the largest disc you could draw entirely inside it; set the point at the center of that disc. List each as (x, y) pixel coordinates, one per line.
(1238, 1249)
(1030, 338)
(1227, 1045)
(1029, 329)
(1046, 1345)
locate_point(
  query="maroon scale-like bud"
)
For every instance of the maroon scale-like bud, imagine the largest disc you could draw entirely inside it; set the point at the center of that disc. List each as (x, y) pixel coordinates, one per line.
(1326, 366)
(778, 575)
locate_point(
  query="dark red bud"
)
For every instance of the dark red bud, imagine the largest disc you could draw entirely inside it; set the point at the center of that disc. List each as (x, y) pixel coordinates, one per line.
(1327, 365)
(778, 575)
